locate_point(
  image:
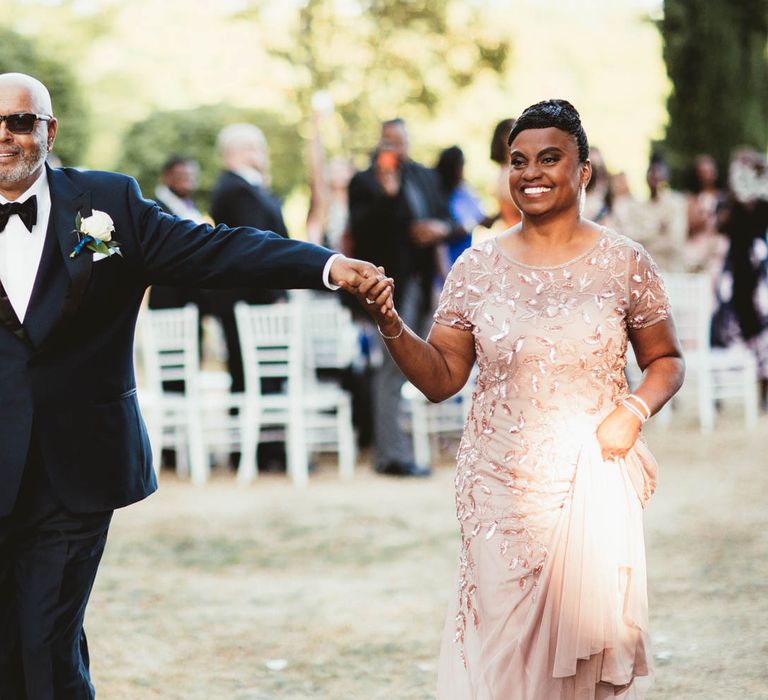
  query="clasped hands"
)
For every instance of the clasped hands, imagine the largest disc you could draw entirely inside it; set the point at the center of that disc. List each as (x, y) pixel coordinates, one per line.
(373, 289)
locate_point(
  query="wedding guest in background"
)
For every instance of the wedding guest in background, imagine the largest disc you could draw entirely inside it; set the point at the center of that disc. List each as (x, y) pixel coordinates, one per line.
(705, 247)
(623, 204)
(398, 218)
(598, 196)
(173, 194)
(741, 315)
(241, 197)
(661, 222)
(177, 186)
(509, 213)
(328, 215)
(464, 205)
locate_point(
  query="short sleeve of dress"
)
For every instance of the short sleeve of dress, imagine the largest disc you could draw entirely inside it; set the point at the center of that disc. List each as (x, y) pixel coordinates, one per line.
(648, 301)
(452, 309)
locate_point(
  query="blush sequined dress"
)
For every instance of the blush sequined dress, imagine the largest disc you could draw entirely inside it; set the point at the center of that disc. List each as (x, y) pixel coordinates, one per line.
(551, 598)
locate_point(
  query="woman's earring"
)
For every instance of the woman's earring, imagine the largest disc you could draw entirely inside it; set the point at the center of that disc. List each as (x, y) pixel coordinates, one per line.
(582, 198)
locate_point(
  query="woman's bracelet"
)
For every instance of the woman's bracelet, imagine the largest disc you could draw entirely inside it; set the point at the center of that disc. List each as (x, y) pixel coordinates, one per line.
(632, 409)
(642, 403)
(392, 337)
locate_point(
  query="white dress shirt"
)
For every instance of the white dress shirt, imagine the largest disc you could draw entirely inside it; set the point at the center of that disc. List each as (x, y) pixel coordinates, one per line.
(21, 250)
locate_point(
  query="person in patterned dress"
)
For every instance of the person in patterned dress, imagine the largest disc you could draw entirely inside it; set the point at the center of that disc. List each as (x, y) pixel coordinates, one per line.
(552, 475)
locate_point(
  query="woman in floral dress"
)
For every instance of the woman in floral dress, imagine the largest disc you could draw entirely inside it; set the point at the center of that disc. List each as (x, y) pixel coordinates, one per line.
(551, 476)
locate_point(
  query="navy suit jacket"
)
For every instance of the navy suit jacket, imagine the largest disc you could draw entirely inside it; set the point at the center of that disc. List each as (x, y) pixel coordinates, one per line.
(68, 370)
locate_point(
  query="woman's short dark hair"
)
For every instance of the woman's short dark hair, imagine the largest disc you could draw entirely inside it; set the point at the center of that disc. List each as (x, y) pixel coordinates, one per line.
(448, 168)
(559, 114)
(499, 146)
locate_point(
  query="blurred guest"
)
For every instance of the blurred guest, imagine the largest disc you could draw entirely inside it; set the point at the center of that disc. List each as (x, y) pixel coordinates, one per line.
(241, 197)
(173, 194)
(598, 199)
(742, 290)
(661, 222)
(464, 205)
(328, 213)
(398, 216)
(178, 182)
(705, 247)
(509, 213)
(623, 204)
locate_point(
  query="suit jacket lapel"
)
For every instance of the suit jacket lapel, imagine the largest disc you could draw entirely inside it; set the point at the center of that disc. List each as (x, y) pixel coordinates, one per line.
(9, 318)
(61, 280)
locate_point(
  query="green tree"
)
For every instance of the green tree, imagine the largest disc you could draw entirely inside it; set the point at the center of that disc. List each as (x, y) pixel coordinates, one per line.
(716, 59)
(385, 58)
(192, 133)
(20, 55)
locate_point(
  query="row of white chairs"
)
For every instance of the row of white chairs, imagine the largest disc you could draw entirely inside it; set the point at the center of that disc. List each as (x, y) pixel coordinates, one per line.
(714, 376)
(287, 343)
(283, 344)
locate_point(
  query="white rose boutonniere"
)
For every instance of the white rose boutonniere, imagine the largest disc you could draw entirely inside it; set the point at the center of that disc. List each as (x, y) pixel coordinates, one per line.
(95, 233)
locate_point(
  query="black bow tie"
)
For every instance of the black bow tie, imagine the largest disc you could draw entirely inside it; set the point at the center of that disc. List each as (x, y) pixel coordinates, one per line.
(27, 212)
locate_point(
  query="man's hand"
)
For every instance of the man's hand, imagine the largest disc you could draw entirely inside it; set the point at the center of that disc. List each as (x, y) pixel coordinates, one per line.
(427, 232)
(349, 273)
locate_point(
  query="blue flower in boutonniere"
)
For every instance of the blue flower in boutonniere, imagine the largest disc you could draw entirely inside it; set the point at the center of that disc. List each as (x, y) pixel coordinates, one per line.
(95, 233)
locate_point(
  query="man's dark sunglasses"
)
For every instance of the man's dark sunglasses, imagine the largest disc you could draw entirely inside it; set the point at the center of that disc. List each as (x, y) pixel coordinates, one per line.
(22, 122)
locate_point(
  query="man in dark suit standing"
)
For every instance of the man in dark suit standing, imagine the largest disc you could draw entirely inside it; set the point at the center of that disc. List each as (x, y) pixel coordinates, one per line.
(178, 182)
(240, 198)
(397, 217)
(173, 194)
(73, 445)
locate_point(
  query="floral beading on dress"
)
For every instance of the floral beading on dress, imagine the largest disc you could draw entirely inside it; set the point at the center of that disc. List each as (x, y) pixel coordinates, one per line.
(551, 345)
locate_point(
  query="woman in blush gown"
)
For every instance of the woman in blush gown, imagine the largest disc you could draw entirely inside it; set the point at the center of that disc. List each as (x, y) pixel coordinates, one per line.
(551, 473)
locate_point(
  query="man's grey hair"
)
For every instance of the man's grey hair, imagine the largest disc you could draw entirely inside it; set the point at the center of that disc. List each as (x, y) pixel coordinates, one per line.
(41, 98)
(235, 136)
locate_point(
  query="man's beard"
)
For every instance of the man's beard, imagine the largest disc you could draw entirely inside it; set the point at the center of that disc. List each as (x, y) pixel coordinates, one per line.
(27, 163)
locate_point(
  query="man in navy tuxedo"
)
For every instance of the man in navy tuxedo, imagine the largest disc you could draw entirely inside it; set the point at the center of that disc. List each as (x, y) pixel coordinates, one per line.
(73, 446)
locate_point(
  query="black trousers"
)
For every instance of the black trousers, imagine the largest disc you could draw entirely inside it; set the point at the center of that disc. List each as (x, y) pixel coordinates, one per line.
(48, 563)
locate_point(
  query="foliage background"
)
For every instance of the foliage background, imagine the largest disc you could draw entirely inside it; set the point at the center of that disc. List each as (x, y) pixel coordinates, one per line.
(452, 68)
(23, 55)
(717, 62)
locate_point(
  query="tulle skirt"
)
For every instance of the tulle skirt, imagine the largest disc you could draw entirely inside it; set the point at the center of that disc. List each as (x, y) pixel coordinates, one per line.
(578, 628)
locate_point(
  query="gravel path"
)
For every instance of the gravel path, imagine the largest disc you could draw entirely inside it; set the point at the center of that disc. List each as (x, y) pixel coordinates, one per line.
(339, 592)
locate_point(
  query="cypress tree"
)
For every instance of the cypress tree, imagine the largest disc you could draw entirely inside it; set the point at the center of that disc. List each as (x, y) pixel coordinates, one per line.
(715, 52)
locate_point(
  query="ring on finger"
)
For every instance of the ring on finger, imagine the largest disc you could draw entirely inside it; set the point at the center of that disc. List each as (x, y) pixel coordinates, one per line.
(369, 301)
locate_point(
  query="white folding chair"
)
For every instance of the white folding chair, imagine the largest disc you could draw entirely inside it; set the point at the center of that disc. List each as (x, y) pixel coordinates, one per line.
(331, 334)
(716, 374)
(170, 398)
(312, 417)
(430, 420)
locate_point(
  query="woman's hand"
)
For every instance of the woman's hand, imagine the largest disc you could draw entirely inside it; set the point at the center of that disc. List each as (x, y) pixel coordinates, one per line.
(618, 433)
(375, 295)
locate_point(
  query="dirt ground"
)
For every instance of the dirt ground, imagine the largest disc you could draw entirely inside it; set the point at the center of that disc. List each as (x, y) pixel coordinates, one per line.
(340, 591)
